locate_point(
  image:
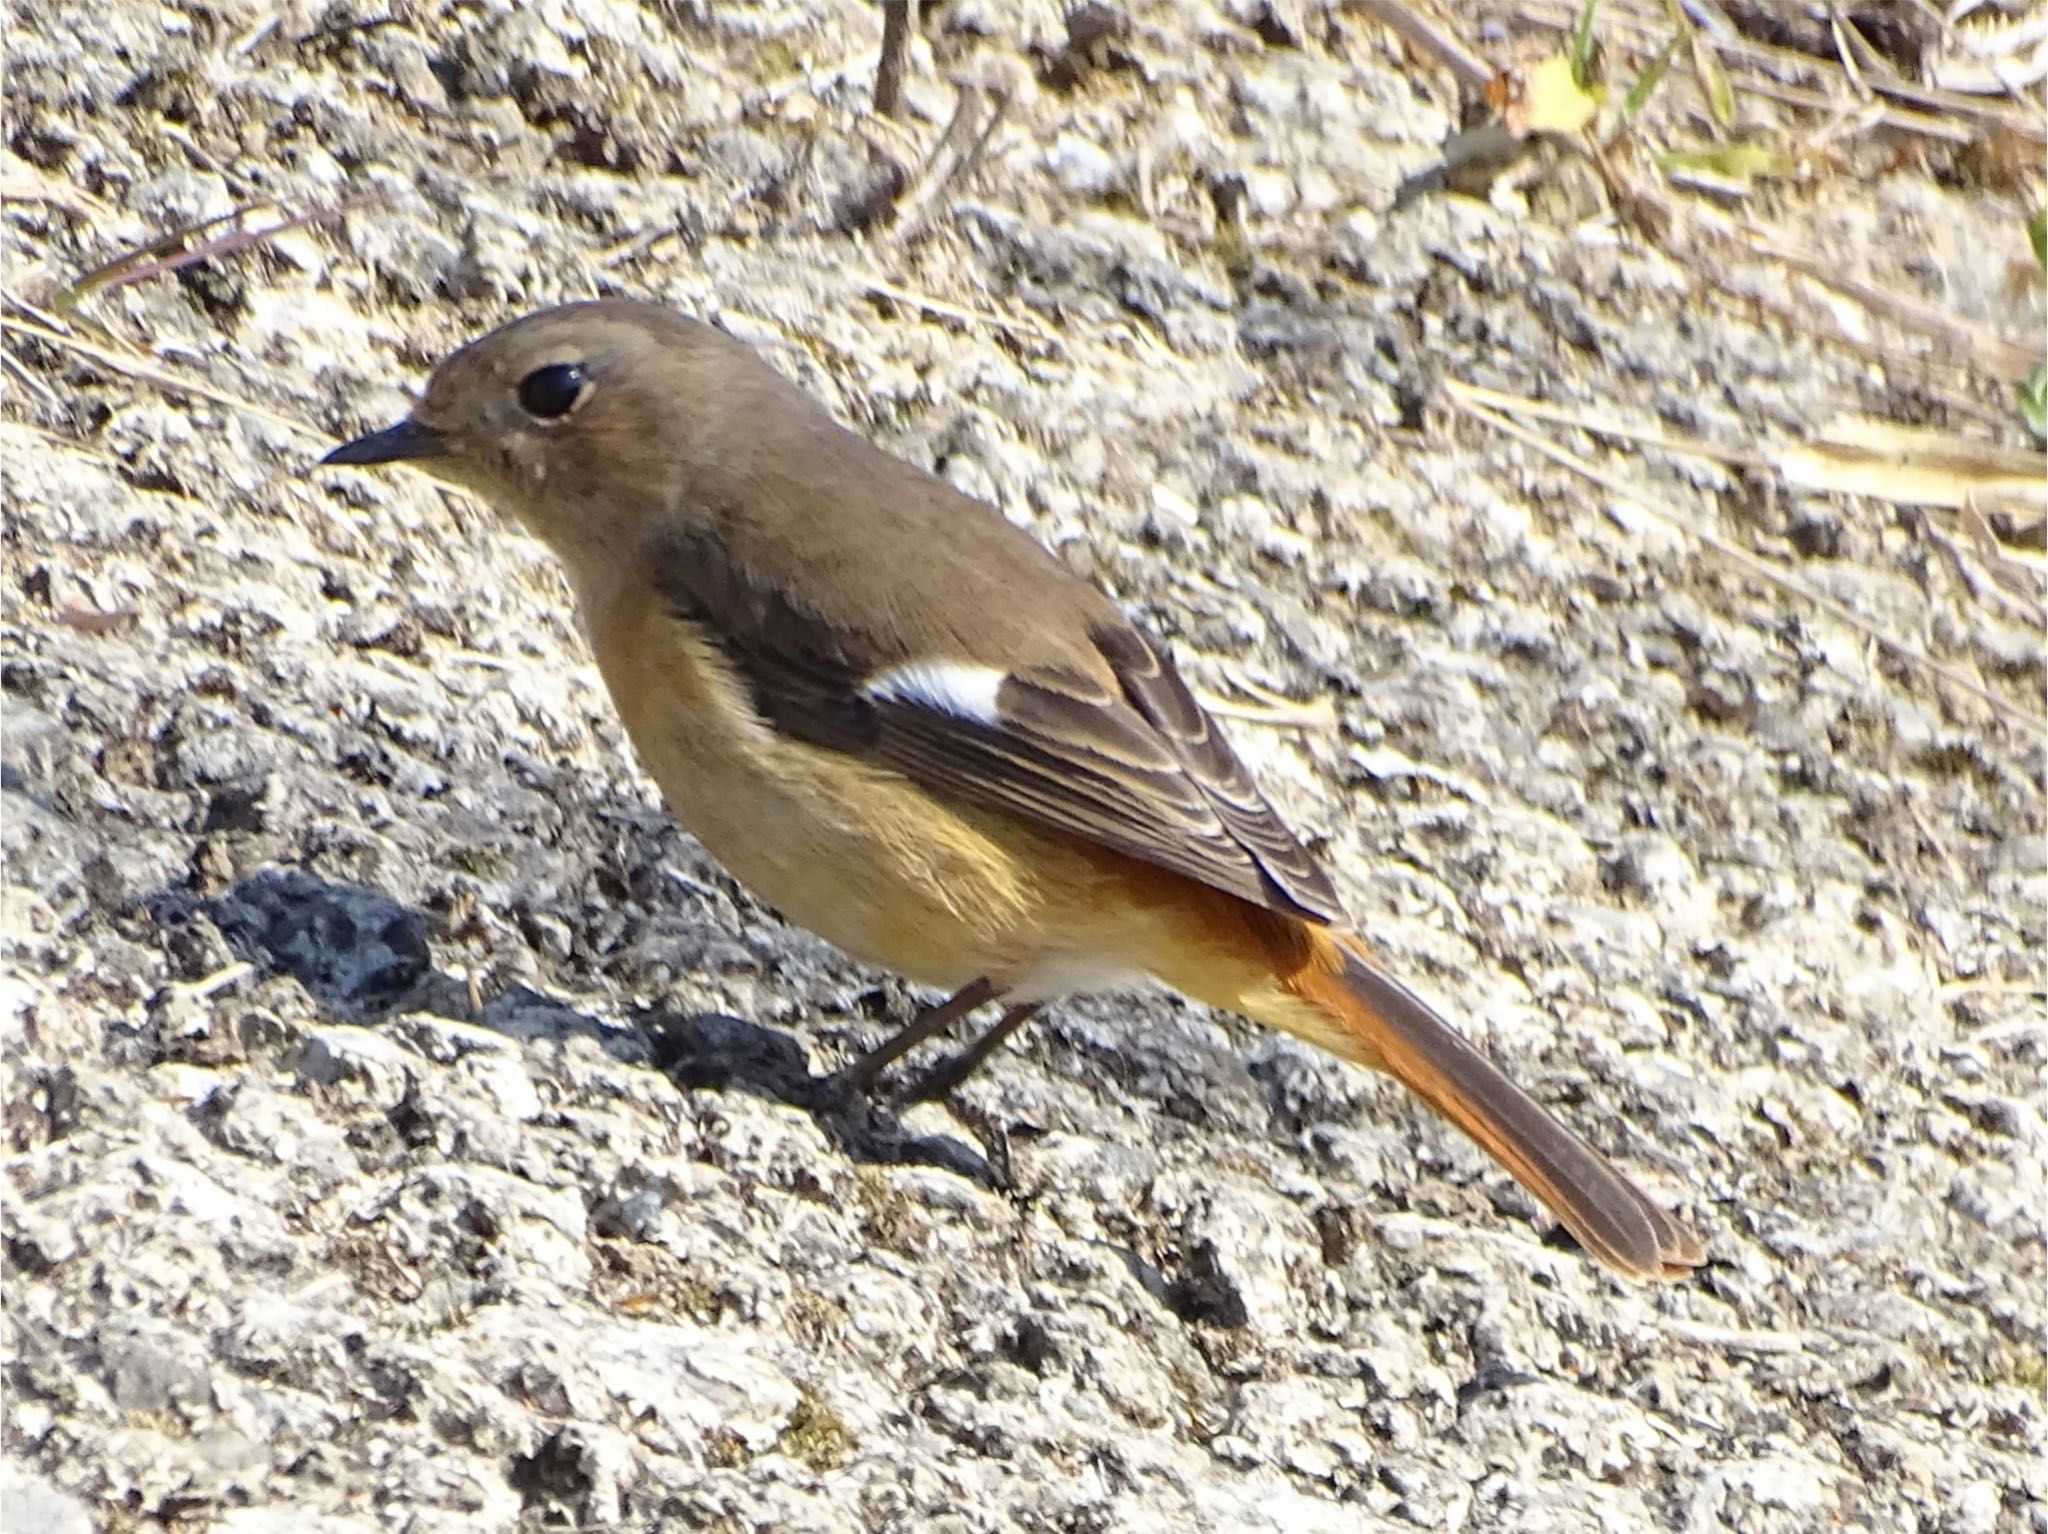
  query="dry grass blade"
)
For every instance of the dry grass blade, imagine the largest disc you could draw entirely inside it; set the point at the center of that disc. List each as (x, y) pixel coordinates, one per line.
(1878, 460)
(1735, 1339)
(1706, 63)
(112, 274)
(1023, 326)
(2029, 563)
(1689, 527)
(169, 252)
(2015, 583)
(1852, 455)
(953, 159)
(29, 380)
(1606, 426)
(1869, 117)
(1431, 37)
(1952, 375)
(1914, 466)
(23, 182)
(1850, 46)
(131, 367)
(2006, 360)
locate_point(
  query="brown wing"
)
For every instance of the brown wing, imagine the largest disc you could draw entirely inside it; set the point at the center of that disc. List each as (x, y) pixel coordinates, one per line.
(1138, 767)
(1153, 687)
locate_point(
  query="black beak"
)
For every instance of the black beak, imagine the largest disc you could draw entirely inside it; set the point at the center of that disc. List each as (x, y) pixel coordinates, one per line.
(407, 442)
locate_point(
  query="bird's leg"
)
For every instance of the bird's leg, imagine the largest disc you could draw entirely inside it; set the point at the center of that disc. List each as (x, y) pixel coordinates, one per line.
(946, 1077)
(931, 1021)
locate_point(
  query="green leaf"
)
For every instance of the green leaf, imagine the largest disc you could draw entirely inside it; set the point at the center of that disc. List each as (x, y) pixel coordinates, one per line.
(1720, 94)
(1584, 49)
(1640, 93)
(1551, 101)
(2033, 398)
(2037, 236)
(1734, 162)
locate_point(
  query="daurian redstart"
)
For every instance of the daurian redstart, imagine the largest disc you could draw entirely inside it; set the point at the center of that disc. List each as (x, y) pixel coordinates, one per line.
(907, 727)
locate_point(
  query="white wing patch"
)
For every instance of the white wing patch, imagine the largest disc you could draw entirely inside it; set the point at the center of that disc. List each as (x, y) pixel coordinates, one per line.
(947, 687)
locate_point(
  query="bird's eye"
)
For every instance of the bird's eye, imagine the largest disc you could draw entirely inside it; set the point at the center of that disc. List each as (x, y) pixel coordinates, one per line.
(549, 393)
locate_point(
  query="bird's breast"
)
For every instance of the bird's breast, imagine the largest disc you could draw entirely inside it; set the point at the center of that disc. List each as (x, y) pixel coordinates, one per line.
(856, 853)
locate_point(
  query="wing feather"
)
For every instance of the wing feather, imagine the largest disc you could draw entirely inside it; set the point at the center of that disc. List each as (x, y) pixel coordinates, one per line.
(1139, 766)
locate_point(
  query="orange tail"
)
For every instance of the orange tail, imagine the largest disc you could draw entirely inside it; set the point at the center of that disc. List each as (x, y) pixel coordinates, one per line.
(1370, 1017)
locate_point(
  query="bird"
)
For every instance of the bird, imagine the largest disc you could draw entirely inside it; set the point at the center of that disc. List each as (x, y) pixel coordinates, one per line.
(902, 723)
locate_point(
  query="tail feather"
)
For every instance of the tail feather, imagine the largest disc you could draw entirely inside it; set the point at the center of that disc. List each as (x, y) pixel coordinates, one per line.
(1380, 1022)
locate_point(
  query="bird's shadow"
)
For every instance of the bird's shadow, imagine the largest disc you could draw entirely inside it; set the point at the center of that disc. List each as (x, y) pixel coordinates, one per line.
(364, 957)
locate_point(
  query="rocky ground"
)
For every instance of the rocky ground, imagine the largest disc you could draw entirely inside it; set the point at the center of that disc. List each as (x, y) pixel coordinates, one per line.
(408, 1128)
